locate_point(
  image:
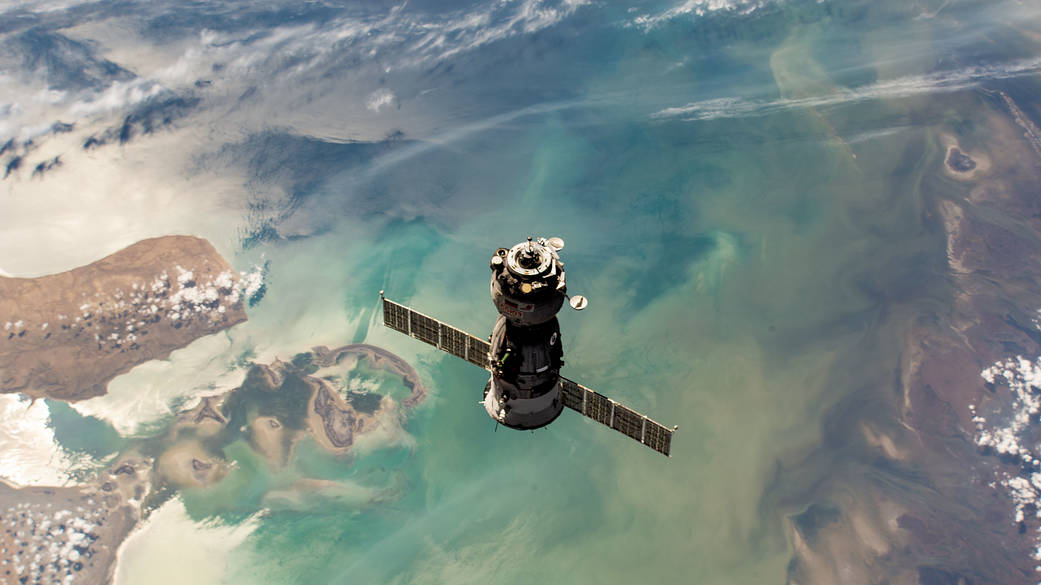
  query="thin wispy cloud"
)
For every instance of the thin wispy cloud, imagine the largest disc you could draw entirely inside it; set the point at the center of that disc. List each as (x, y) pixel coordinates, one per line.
(901, 87)
(690, 8)
(293, 56)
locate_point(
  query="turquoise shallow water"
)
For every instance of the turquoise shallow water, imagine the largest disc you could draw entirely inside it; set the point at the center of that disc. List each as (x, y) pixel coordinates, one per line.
(741, 196)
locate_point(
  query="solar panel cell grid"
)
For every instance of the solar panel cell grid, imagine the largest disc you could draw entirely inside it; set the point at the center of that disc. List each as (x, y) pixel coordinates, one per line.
(627, 422)
(658, 437)
(571, 394)
(424, 328)
(598, 407)
(478, 351)
(453, 341)
(395, 316)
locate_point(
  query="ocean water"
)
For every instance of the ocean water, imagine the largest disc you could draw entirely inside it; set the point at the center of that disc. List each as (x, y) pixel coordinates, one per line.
(742, 188)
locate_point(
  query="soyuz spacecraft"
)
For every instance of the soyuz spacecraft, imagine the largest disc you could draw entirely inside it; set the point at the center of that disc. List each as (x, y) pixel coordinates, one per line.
(523, 353)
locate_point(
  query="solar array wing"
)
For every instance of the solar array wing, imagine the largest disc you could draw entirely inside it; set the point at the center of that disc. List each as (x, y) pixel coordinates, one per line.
(441, 335)
(599, 408)
(453, 341)
(617, 416)
(395, 316)
(571, 394)
(477, 351)
(424, 328)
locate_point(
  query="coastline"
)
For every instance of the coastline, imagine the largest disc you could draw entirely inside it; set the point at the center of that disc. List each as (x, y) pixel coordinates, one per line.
(71, 534)
(66, 335)
(929, 490)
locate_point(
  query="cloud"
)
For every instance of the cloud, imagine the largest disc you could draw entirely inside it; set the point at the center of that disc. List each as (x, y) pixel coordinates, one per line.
(307, 71)
(29, 454)
(64, 63)
(170, 540)
(901, 87)
(378, 99)
(286, 54)
(697, 8)
(46, 166)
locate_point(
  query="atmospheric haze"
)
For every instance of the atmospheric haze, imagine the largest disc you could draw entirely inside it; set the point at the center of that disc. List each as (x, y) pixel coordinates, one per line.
(757, 200)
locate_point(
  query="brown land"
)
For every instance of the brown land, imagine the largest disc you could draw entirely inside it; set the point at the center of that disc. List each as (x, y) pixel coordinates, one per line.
(268, 438)
(380, 358)
(205, 420)
(67, 335)
(908, 496)
(331, 420)
(48, 534)
(334, 422)
(78, 530)
(963, 166)
(188, 464)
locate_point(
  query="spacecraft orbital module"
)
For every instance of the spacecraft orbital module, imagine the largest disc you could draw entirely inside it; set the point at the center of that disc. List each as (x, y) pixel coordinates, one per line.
(524, 353)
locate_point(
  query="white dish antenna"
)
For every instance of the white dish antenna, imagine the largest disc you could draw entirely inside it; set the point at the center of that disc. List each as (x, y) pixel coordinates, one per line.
(578, 302)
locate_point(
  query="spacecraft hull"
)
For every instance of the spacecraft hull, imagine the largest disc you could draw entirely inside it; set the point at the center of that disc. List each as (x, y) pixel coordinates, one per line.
(524, 413)
(527, 289)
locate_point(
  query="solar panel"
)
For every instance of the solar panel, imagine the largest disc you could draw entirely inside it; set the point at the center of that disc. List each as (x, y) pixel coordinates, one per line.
(617, 416)
(424, 328)
(395, 316)
(453, 341)
(444, 337)
(598, 408)
(657, 437)
(627, 422)
(571, 394)
(477, 351)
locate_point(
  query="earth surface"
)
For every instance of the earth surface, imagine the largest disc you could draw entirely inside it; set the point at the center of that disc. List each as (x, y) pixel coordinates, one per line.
(809, 231)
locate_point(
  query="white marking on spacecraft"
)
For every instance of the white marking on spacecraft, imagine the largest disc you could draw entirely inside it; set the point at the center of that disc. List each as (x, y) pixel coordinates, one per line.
(523, 354)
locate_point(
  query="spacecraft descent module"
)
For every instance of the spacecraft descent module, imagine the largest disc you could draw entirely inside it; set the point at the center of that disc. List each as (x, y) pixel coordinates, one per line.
(524, 352)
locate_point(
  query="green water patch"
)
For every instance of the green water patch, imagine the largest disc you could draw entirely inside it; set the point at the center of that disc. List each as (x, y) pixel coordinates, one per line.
(82, 434)
(374, 469)
(408, 244)
(314, 461)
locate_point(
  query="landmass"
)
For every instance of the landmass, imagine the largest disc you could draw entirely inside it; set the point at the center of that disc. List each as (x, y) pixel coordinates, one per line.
(961, 165)
(71, 534)
(65, 336)
(68, 535)
(335, 417)
(269, 439)
(280, 404)
(941, 484)
(189, 464)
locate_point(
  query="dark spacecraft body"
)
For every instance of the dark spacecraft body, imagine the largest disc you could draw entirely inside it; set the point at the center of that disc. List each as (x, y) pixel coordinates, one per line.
(523, 353)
